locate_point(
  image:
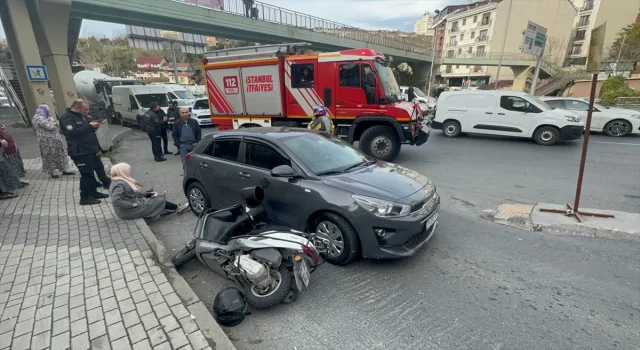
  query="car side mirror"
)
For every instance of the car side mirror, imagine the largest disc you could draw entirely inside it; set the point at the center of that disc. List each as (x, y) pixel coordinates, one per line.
(283, 171)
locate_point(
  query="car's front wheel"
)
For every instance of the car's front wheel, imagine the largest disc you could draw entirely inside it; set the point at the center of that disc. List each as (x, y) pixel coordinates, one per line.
(451, 128)
(340, 239)
(547, 136)
(198, 199)
(618, 128)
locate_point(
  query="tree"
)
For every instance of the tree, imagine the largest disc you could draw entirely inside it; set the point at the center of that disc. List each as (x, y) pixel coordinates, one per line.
(613, 88)
(630, 50)
(405, 76)
(114, 55)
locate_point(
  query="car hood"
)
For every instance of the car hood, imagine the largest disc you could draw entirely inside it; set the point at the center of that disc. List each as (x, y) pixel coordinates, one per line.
(382, 180)
(200, 111)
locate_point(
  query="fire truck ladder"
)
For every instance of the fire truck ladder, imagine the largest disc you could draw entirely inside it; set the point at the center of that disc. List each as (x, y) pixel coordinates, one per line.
(253, 52)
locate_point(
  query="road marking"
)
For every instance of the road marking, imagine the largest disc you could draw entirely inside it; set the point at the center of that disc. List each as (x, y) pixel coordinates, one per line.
(619, 143)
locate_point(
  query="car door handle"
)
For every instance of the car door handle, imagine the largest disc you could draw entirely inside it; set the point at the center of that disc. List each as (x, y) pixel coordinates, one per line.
(501, 114)
(203, 165)
(489, 113)
(243, 174)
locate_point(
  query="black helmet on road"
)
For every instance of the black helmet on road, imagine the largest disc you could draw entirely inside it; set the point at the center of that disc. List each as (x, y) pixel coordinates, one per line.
(229, 307)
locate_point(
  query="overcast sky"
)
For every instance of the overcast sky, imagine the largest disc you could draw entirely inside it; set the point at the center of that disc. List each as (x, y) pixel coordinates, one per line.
(367, 14)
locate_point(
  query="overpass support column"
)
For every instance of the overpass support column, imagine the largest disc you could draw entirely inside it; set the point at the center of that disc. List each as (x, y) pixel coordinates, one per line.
(422, 71)
(520, 75)
(50, 20)
(24, 51)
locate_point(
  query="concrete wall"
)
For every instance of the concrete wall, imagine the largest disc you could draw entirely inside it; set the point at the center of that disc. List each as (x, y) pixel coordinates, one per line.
(583, 88)
(555, 15)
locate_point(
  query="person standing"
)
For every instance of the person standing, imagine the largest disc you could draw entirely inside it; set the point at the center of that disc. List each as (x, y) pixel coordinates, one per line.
(164, 130)
(153, 122)
(54, 156)
(84, 150)
(248, 4)
(186, 132)
(173, 113)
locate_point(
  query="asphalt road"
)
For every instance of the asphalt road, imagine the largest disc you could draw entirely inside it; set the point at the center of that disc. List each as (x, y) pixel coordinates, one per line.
(476, 284)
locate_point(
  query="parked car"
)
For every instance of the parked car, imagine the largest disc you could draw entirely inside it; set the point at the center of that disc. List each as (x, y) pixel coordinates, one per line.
(200, 111)
(317, 183)
(505, 113)
(427, 103)
(612, 121)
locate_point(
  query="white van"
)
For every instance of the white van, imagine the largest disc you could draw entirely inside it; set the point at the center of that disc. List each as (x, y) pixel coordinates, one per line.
(505, 113)
(132, 101)
(180, 94)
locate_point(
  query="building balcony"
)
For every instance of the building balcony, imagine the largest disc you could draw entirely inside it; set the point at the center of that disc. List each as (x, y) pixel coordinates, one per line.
(582, 24)
(454, 30)
(588, 6)
(485, 22)
(482, 39)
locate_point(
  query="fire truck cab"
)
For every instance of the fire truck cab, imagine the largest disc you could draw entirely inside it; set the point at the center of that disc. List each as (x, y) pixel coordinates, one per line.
(275, 85)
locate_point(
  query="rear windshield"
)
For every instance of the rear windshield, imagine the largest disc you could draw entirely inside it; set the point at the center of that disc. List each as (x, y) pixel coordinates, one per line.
(201, 104)
(146, 99)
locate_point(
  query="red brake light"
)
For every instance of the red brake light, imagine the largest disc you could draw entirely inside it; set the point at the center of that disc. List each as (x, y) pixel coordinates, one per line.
(312, 253)
(187, 157)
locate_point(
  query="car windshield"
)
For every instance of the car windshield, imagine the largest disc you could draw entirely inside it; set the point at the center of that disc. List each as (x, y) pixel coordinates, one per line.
(201, 104)
(388, 81)
(544, 106)
(186, 95)
(146, 99)
(324, 155)
(419, 92)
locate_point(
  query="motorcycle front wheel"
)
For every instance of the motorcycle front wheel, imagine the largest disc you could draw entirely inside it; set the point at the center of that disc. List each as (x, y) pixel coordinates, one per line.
(280, 287)
(184, 255)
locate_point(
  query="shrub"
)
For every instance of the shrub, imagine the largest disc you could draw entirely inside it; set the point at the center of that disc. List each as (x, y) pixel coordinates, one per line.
(613, 88)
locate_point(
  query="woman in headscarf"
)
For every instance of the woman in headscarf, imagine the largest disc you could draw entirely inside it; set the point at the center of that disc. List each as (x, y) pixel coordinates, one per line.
(52, 148)
(9, 174)
(132, 202)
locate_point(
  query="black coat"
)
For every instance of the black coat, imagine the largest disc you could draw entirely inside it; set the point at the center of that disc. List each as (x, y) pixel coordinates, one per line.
(81, 136)
(152, 121)
(177, 130)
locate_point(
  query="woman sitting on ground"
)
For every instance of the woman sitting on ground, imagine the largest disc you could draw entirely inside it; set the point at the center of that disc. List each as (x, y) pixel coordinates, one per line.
(131, 202)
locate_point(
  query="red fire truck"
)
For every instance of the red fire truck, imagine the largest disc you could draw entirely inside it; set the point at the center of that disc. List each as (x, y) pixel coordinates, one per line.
(276, 85)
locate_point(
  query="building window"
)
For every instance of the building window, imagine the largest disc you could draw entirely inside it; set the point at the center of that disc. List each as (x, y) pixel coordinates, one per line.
(584, 20)
(451, 53)
(301, 75)
(454, 27)
(475, 19)
(457, 66)
(486, 19)
(464, 21)
(461, 37)
(470, 50)
(576, 49)
(459, 51)
(580, 35)
(483, 35)
(452, 41)
(448, 69)
(480, 50)
(473, 35)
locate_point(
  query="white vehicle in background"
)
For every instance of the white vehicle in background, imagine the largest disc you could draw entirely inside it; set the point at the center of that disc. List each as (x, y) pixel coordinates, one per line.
(427, 103)
(200, 111)
(180, 94)
(130, 102)
(612, 121)
(504, 113)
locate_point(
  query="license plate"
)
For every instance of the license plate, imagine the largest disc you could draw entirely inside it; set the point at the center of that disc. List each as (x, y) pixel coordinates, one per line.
(304, 273)
(432, 220)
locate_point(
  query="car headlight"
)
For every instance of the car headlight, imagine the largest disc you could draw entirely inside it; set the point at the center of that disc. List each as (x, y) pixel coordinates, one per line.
(382, 208)
(637, 116)
(573, 119)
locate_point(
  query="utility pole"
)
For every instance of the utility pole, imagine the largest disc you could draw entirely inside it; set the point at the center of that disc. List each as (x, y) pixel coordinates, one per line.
(175, 63)
(504, 43)
(433, 61)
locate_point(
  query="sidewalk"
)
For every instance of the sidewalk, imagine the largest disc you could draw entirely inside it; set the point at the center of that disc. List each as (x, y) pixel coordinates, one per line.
(79, 277)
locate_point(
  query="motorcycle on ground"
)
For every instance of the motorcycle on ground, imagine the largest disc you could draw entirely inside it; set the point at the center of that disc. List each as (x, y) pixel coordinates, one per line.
(237, 243)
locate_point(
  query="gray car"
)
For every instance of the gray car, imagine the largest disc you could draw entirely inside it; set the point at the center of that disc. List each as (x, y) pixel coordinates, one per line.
(356, 205)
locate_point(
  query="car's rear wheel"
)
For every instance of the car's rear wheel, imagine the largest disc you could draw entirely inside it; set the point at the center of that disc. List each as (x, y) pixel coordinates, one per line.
(198, 200)
(451, 128)
(547, 136)
(339, 237)
(618, 128)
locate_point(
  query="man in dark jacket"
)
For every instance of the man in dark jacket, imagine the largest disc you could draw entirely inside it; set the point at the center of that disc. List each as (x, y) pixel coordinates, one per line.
(163, 130)
(84, 150)
(186, 132)
(173, 113)
(153, 123)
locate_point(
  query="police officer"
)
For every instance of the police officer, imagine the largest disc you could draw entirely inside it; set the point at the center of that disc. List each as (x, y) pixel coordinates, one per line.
(154, 122)
(84, 150)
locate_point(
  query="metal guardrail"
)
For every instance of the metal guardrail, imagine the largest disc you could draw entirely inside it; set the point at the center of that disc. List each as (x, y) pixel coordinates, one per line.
(628, 101)
(275, 14)
(13, 96)
(507, 56)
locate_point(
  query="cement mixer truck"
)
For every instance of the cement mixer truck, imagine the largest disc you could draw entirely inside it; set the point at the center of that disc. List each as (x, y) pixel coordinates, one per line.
(96, 88)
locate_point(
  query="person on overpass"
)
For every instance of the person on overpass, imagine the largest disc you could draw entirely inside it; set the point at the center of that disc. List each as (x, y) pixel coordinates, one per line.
(320, 120)
(248, 4)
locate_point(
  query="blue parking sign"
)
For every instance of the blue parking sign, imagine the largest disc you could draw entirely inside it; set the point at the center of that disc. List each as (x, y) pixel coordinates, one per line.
(37, 73)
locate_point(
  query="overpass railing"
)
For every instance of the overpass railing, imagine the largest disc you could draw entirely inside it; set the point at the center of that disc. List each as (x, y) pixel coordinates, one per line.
(507, 56)
(275, 14)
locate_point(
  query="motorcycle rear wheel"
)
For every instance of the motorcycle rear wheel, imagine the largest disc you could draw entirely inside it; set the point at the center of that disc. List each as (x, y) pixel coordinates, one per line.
(276, 295)
(183, 256)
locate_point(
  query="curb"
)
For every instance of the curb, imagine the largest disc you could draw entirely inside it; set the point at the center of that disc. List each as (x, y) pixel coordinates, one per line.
(215, 335)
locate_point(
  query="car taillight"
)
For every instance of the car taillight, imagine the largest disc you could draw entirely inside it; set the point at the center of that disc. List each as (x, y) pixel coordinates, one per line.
(187, 157)
(312, 253)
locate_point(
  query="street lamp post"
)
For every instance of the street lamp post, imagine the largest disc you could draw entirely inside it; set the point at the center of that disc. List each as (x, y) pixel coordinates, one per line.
(433, 62)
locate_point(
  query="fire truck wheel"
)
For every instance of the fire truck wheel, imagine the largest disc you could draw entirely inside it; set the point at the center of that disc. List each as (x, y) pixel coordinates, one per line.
(380, 142)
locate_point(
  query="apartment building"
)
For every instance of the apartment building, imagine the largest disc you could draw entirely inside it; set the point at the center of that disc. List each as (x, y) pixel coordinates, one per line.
(479, 30)
(592, 13)
(423, 26)
(439, 24)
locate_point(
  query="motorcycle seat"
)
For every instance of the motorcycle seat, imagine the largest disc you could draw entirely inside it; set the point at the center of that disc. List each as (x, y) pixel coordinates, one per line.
(225, 216)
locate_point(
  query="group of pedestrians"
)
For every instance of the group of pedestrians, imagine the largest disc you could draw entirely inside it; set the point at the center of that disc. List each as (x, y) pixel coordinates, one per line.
(185, 131)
